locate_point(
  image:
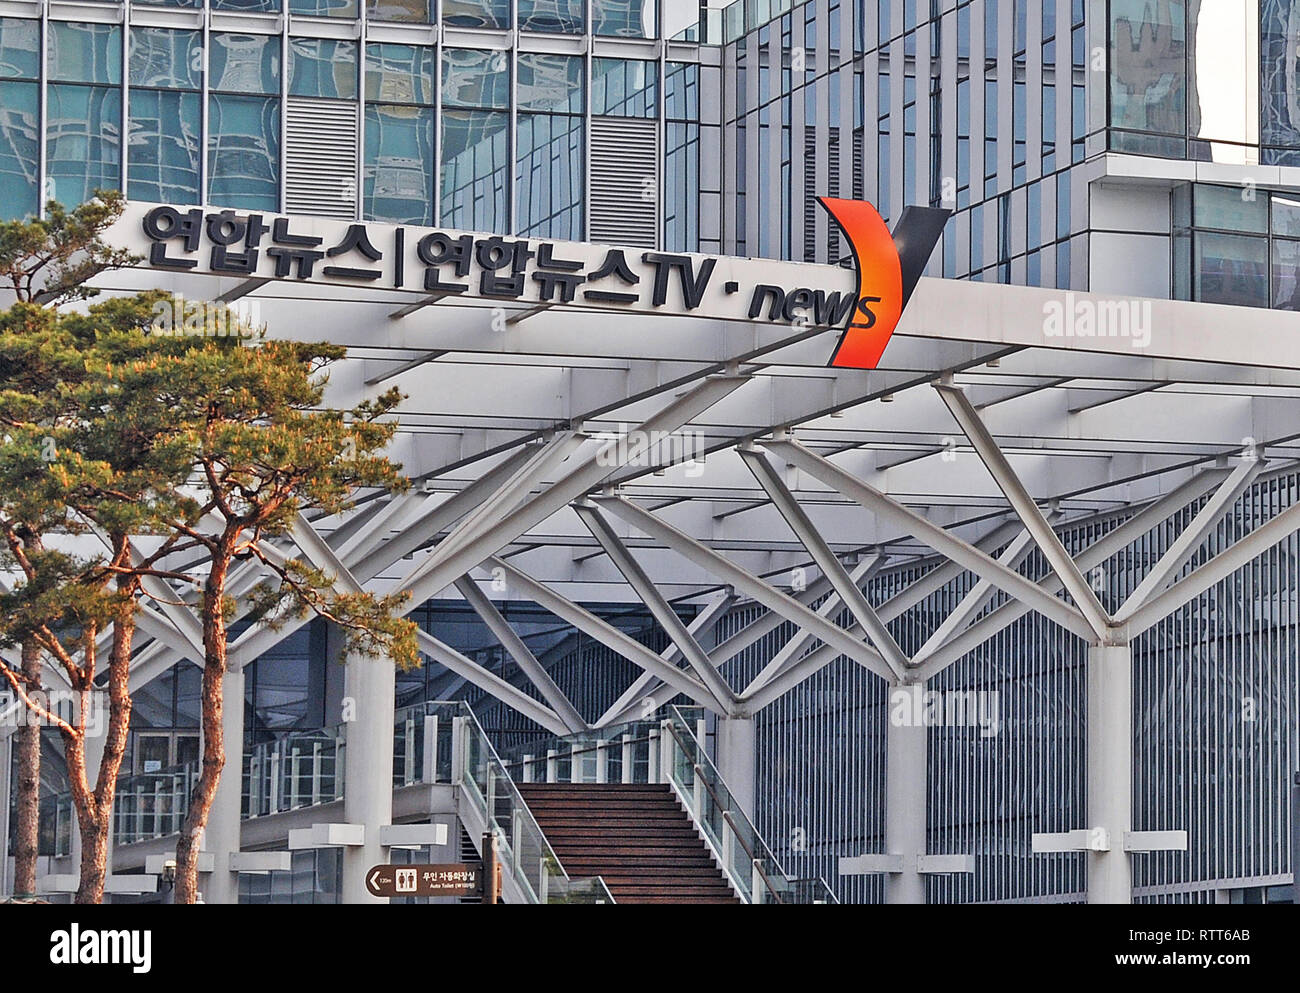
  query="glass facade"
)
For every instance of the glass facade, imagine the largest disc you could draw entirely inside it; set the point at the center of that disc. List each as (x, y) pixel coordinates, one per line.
(1236, 246)
(1208, 80)
(978, 106)
(491, 138)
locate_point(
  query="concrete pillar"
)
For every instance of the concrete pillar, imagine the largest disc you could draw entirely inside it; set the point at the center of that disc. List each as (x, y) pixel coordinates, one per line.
(369, 687)
(221, 838)
(1110, 769)
(734, 746)
(6, 788)
(1295, 838)
(906, 744)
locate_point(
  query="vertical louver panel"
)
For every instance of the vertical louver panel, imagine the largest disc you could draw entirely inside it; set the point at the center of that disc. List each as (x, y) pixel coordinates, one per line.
(812, 151)
(320, 158)
(624, 181)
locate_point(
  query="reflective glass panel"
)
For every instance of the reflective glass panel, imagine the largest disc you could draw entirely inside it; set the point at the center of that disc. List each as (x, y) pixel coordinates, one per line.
(1228, 208)
(19, 149)
(165, 58)
(399, 73)
(1279, 66)
(20, 48)
(682, 91)
(1286, 275)
(85, 53)
(83, 141)
(1223, 100)
(253, 6)
(1286, 216)
(681, 187)
(624, 87)
(399, 169)
(324, 8)
(629, 18)
(551, 16)
(550, 82)
(1148, 71)
(548, 181)
(475, 167)
(323, 68)
(244, 152)
(1231, 269)
(476, 13)
(474, 78)
(245, 63)
(416, 11)
(163, 146)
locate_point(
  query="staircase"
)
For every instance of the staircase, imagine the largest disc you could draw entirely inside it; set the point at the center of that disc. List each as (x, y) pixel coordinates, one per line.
(636, 837)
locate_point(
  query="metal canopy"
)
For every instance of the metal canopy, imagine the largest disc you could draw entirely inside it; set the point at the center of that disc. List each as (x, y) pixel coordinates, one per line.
(977, 424)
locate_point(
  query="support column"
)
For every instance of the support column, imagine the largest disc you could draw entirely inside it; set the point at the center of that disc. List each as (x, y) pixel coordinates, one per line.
(369, 686)
(906, 745)
(221, 837)
(6, 792)
(735, 751)
(1110, 772)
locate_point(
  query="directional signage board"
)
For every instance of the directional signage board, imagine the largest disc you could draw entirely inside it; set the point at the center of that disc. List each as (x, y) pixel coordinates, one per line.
(451, 879)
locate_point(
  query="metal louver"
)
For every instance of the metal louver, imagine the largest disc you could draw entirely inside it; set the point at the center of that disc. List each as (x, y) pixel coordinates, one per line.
(831, 153)
(320, 158)
(624, 181)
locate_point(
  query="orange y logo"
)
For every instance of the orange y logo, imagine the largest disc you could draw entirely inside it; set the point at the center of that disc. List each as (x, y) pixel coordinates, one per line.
(888, 267)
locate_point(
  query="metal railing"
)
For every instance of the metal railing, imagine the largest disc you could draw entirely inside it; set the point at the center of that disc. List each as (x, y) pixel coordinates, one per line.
(522, 848)
(299, 769)
(152, 804)
(422, 743)
(670, 751)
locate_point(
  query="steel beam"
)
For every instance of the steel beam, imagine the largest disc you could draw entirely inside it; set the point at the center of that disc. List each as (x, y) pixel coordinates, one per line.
(606, 634)
(1185, 545)
(1216, 570)
(521, 653)
(1026, 508)
(748, 584)
(937, 538)
(1094, 555)
(847, 590)
(647, 686)
(660, 609)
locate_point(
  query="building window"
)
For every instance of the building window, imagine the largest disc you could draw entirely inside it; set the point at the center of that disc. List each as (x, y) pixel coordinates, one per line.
(399, 178)
(20, 60)
(412, 11)
(548, 153)
(1236, 247)
(163, 139)
(244, 128)
(630, 18)
(324, 8)
(551, 16)
(325, 69)
(476, 13)
(244, 151)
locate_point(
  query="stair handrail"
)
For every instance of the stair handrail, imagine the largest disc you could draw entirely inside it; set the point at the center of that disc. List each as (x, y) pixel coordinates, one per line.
(551, 872)
(761, 859)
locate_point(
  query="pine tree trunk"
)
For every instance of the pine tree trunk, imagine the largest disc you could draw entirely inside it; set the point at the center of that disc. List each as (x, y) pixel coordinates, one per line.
(27, 742)
(214, 746)
(96, 830)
